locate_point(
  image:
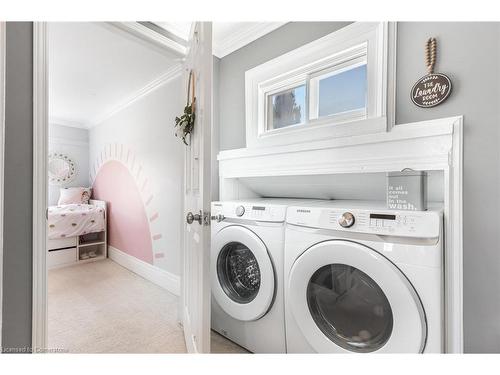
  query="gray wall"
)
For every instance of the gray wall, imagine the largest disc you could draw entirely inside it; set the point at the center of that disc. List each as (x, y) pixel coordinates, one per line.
(469, 54)
(17, 262)
(141, 128)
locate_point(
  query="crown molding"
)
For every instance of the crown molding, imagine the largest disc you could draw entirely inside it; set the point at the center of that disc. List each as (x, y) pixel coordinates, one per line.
(176, 29)
(65, 122)
(245, 35)
(148, 36)
(173, 72)
(61, 141)
(223, 45)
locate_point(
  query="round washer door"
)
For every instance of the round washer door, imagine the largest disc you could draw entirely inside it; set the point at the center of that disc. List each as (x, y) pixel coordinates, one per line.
(346, 297)
(242, 273)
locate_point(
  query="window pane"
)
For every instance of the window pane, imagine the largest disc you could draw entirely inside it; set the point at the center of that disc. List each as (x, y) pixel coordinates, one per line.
(342, 92)
(287, 108)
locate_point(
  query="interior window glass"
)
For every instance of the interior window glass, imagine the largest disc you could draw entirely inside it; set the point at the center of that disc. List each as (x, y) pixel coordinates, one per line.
(238, 272)
(349, 308)
(286, 108)
(340, 92)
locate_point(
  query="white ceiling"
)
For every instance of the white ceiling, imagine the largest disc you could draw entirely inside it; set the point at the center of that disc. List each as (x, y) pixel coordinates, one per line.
(96, 68)
(93, 67)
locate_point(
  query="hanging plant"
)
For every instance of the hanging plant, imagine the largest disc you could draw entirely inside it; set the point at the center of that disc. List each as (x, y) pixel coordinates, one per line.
(184, 125)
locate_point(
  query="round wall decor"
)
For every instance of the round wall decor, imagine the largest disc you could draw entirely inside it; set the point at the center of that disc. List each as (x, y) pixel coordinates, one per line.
(61, 168)
(433, 88)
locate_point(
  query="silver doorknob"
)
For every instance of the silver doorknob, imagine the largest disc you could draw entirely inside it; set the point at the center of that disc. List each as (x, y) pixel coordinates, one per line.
(346, 220)
(190, 218)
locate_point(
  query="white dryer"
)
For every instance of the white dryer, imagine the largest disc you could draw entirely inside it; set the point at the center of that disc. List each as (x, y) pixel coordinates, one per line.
(363, 279)
(247, 272)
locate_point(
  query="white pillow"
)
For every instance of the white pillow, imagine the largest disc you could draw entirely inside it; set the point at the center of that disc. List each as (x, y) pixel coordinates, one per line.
(74, 195)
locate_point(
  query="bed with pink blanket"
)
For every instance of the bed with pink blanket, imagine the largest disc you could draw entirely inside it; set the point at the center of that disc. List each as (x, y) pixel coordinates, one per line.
(71, 220)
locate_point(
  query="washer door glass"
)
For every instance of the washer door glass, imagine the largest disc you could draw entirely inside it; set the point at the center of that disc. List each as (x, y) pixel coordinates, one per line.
(238, 272)
(349, 308)
(241, 273)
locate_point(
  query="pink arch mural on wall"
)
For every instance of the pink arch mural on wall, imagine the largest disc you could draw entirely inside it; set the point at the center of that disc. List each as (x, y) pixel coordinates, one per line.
(119, 180)
(128, 228)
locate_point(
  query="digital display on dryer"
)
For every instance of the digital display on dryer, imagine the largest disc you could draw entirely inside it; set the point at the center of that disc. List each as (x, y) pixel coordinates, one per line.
(258, 208)
(383, 216)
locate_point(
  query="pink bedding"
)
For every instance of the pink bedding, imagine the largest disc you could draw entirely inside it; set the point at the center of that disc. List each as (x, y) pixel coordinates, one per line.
(72, 220)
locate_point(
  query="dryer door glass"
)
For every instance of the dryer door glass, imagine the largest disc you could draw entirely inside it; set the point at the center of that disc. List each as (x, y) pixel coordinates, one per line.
(349, 308)
(238, 272)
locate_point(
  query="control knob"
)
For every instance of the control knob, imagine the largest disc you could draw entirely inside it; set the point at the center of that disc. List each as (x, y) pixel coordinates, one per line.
(346, 220)
(240, 210)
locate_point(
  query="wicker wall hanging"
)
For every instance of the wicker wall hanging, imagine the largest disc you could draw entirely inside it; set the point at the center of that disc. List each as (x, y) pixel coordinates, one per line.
(433, 88)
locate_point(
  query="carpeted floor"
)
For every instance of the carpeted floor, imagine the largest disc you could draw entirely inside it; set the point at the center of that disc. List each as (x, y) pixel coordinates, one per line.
(102, 307)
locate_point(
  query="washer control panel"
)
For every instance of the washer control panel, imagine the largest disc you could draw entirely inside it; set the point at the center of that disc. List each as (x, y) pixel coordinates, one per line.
(250, 211)
(421, 224)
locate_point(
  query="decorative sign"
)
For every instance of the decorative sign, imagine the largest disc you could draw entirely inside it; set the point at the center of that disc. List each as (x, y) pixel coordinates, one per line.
(433, 88)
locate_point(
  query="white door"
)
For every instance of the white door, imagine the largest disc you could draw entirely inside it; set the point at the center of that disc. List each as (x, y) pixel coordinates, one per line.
(346, 297)
(195, 301)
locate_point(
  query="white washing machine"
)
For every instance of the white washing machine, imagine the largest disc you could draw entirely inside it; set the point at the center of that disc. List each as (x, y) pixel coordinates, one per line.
(247, 272)
(363, 279)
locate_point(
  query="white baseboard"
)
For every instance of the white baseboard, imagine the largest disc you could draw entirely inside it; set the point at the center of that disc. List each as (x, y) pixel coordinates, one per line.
(160, 277)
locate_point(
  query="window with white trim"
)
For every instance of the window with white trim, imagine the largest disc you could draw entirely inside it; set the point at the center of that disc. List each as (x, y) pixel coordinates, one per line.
(339, 85)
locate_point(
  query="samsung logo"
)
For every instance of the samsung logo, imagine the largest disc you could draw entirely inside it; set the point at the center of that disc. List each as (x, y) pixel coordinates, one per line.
(304, 211)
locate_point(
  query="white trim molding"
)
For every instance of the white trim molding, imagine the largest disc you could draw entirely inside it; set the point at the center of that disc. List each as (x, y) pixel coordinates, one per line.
(226, 39)
(358, 44)
(146, 35)
(162, 278)
(173, 72)
(435, 145)
(227, 44)
(40, 147)
(64, 122)
(2, 143)
(68, 142)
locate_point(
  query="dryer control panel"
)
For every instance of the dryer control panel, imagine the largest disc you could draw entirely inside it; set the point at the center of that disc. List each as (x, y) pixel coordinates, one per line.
(419, 224)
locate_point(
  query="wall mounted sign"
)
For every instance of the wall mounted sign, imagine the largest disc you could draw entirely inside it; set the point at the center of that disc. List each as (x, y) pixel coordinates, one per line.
(433, 88)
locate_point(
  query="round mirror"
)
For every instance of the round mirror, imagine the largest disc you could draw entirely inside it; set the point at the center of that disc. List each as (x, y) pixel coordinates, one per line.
(61, 168)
